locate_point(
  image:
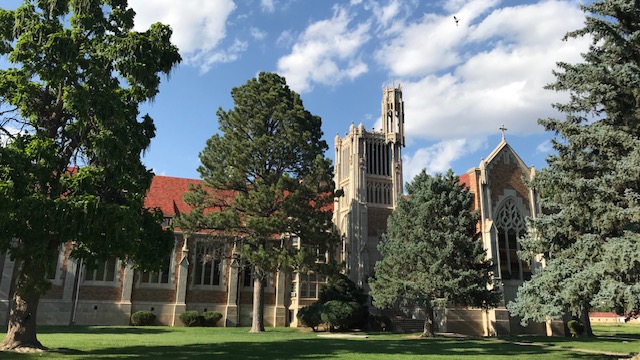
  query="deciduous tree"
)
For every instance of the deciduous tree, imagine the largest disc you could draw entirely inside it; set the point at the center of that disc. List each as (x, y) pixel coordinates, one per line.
(590, 190)
(265, 176)
(431, 253)
(71, 140)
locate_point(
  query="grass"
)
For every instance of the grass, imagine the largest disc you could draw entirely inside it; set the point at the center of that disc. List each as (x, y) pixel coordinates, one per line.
(115, 342)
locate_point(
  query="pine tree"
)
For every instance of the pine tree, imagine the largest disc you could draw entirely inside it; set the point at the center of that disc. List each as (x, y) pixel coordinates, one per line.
(432, 254)
(589, 234)
(70, 143)
(265, 175)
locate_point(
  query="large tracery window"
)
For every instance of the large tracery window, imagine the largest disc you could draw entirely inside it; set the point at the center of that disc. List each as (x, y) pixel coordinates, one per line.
(208, 264)
(511, 226)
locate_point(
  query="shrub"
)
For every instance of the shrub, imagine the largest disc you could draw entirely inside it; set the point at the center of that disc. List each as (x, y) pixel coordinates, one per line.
(379, 322)
(310, 316)
(342, 315)
(143, 318)
(575, 328)
(191, 318)
(341, 288)
(210, 318)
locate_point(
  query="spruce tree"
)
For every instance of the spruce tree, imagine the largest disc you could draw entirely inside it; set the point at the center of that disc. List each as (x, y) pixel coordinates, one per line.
(589, 232)
(71, 140)
(432, 254)
(266, 176)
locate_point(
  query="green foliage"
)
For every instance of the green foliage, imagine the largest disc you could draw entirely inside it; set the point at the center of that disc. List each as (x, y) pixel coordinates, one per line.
(348, 301)
(211, 318)
(310, 315)
(191, 318)
(143, 318)
(575, 328)
(342, 315)
(341, 288)
(70, 168)
(265, 175)
(431, 251)
(379, 322)
(347, 310)
(590, 231)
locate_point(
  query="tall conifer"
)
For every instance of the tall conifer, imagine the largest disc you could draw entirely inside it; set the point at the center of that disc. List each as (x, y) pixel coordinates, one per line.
(266, 176)
(432, 254)
(590, 191)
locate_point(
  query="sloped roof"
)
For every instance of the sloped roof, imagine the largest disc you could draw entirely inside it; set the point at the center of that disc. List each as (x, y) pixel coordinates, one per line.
(504, 145)
(166, 193)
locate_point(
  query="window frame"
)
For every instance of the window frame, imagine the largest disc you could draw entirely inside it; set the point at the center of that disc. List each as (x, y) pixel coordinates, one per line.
(140, 282)
(57, 276)
(510, 226)
(213, 260)
(116, 273)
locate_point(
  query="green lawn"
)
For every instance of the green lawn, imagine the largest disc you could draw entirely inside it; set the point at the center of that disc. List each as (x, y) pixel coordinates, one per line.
(98, 342)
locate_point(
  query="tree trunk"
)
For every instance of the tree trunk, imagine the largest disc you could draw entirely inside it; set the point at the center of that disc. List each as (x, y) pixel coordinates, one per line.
(21, 330)
(428, 329)
(588, 331)
(257, 323)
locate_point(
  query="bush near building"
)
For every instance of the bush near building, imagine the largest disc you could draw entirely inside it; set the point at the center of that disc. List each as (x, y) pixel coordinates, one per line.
(341, 306)
(143, 318)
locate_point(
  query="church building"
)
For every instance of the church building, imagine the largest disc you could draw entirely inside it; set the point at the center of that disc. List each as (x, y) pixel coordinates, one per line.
(200, 274)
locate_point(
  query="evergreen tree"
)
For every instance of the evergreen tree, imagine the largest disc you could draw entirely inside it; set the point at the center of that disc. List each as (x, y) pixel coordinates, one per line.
(589, 234)
(264, 176)
(431, 253)
(70, 169)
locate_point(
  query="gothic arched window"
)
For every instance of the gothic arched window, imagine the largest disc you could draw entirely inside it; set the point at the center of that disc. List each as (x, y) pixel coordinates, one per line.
(511, 226)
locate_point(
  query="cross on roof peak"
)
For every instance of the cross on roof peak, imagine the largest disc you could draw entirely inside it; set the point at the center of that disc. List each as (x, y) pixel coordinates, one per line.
(503, 129)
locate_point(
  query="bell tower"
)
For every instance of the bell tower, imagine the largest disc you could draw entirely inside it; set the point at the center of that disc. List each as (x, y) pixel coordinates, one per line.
(368, 169)
(393, 115)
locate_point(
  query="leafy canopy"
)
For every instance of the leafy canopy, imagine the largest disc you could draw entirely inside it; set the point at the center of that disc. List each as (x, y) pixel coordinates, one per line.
(70, 137)
(589, 234)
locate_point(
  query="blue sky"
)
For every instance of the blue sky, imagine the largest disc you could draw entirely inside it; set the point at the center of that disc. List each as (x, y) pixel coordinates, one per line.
(460, 82)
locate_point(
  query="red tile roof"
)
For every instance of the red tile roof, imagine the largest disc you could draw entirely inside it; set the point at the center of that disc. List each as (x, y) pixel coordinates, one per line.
(166, 193)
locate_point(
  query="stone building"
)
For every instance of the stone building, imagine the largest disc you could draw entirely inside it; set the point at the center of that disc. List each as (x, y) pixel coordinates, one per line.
(202, 275)
(368, 168)
(199, 274)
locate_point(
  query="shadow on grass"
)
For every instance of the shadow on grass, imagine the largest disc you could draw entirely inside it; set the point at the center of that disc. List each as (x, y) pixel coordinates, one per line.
(559, 341)
(321, 349)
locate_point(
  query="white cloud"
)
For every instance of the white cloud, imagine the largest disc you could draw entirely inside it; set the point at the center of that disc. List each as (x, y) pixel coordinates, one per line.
(545, 147)
(438, 158)
(257, 33)
(384, 14)
(465, 81)
(7, 132)
(431, 44)
(268, 5)
(285, 39)
(232, 53)
(326, 53)
(198, 27)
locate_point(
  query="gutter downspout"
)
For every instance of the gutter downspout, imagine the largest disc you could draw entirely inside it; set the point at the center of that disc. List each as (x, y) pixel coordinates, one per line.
(74, 311)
